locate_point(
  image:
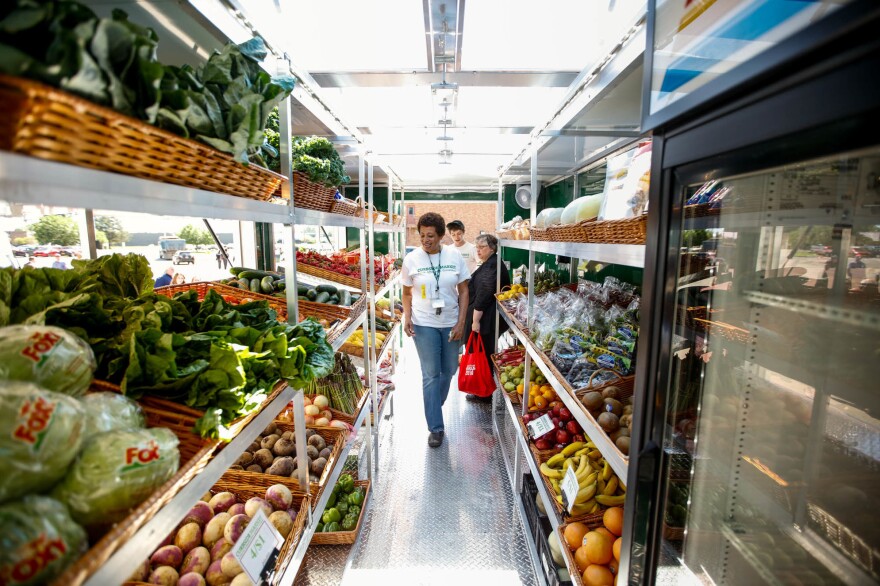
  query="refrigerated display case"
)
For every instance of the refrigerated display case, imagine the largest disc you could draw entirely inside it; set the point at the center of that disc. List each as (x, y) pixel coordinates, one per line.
(758, 460)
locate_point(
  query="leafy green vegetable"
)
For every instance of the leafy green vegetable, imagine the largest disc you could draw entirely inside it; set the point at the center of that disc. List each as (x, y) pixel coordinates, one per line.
(53, 358)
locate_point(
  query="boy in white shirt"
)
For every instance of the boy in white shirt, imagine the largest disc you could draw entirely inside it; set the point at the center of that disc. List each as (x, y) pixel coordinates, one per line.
(467, 250)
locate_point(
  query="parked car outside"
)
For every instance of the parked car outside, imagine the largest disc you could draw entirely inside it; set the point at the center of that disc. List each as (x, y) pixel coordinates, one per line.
(183, 256)
(863, 251)
(46, 251)
(23, 250)
(821, 249)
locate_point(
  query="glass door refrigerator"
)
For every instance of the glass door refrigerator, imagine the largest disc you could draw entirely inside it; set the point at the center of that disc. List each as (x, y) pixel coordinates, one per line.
(757, 460)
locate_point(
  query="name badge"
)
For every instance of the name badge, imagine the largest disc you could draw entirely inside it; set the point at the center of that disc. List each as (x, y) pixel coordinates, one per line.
(438, 304)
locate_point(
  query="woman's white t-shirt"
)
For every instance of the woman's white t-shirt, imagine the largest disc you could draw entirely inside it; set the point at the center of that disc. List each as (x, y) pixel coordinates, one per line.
(418, 274)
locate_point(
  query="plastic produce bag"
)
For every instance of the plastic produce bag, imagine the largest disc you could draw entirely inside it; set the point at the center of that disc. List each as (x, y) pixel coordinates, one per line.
(51, 357)
(111, 412)
(42, 432)
(627, 189)
(38, 540)
(116, 471)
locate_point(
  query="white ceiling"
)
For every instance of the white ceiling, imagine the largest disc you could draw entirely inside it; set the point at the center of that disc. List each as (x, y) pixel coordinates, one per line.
(372, 62)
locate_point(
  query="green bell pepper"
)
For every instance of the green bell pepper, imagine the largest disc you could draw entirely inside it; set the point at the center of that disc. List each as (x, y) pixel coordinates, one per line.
(331, 502)
(342, 508)
(356, 497)
(349, 523)
(331, 515)
(354, 510)
(331, 527)
(319, 528)
(345, 483)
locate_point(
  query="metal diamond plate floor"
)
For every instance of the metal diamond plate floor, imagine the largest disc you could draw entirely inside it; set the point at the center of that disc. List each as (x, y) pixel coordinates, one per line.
(437, 516)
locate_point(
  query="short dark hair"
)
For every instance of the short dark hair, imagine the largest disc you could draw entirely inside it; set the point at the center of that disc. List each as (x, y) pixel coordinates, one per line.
(455, 225)
(432, 220)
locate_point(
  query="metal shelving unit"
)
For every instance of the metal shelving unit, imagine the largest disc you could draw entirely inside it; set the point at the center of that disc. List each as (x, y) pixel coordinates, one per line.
(386, 288)
(632, 255)
(349, 330)
(597, 436)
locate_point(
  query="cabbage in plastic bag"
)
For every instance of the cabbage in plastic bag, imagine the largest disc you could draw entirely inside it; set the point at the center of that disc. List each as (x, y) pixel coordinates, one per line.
(42, 432)
(38, 540)
(115, 472)
(111, 412)
(52, 357)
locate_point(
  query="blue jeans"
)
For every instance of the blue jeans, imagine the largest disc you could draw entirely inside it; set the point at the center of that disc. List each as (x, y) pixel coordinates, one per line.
(439, 360)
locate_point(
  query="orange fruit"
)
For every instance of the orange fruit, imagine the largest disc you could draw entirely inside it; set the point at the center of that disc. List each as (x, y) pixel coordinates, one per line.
(613, 565)
(598, 548)
(549, 395)
(606, 533)
(540, 402)
(613, 520)
(596, 575)
(519, 388)
(574, 534)
(580, 559)
(615, 549)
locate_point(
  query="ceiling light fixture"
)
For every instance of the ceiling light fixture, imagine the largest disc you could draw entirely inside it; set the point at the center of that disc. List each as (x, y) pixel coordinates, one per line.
(445, 157)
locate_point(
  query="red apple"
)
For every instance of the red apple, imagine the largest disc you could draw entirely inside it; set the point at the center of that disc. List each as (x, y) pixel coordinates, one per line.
(557, 423)
(527, 417)
(565, 414)
(562, 436)
(556, 409)
(578, 437)
(543, 444)
(572, 427)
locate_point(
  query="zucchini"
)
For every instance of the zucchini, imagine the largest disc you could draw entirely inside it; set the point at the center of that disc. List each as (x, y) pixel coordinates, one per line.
(255, 285)
(322, 297)
(236, 270)
(344, 298)
(266, 285)
(253, 274)
(327, 289)
(311, 294)
(302, 289)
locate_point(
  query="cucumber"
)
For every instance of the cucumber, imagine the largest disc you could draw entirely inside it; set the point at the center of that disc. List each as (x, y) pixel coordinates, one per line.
(323, 297)
(244, 284)
(233, 284)
(266, 285)
(255, 285)
(236, 270)
(334, 300)
(327, 289)
(280, 285)
(253, 274)
(355, 297)
(311, 294)
(344, 298)
(302, 289)
(303, 298)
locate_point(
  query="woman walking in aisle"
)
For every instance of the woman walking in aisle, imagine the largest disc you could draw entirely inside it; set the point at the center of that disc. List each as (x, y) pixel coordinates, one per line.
(481, 294)
(435, 299)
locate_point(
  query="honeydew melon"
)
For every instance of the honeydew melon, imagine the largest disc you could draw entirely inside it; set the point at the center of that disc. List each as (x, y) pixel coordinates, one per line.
(581, 209)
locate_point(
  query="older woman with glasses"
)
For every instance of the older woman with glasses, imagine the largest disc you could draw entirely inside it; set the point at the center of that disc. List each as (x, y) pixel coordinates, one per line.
(482, 288)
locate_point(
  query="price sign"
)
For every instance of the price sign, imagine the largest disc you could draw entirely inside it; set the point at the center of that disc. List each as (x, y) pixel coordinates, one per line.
(541, 426)
(258, 547)
(570, 488)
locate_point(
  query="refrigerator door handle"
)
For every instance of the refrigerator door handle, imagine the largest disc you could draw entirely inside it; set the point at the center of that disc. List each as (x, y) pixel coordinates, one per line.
(641, 570)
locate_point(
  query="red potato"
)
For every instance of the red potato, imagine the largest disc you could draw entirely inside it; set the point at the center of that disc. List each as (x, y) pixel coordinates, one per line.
(169, 555)
(220, 549)
(221, 502)
(214, 530)
(230, 566)
(201, 513)
(197, 560)
(189, 537)
(235, 527)
(279, 497)
(215, 576)
(164, 576)
(191, 579)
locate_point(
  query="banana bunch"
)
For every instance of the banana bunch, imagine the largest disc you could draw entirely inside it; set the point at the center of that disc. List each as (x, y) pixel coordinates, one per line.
(357, 338)
(599, 487)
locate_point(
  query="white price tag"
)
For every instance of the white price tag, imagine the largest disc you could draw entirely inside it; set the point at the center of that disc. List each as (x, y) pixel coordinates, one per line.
(258, 545)
(540, 426)
(570, 488)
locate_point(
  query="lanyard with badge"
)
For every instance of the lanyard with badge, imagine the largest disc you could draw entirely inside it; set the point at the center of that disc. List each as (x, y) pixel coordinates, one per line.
(437, 303)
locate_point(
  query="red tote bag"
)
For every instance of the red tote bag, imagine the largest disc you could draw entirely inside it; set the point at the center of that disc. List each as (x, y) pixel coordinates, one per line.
(474, 376)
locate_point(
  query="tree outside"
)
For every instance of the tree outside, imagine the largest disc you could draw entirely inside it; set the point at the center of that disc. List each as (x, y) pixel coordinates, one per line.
(24, 241)
(112, 229)
(194, 235)
(691, 238)
(101, 238)
(59, 230)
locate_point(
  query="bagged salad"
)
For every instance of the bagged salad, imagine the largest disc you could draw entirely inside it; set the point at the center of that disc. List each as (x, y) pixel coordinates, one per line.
(54, 358)
(111, 412)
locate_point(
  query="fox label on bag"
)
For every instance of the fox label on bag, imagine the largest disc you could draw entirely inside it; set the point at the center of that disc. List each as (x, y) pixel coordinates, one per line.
(474, 376)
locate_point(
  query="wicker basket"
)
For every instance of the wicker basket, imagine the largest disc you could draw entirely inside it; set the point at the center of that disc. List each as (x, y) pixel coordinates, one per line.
(624, 231)
(345, 207)
(566, 233)
(345, 537)
(329, 275)
(50, 124)
(561, 513)
(701, 210)
(726, 331)
(625, 384)
(541, 235)
(338, 437)
(255, 486)
(310, 195)
(673, 533)
(576, 578)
